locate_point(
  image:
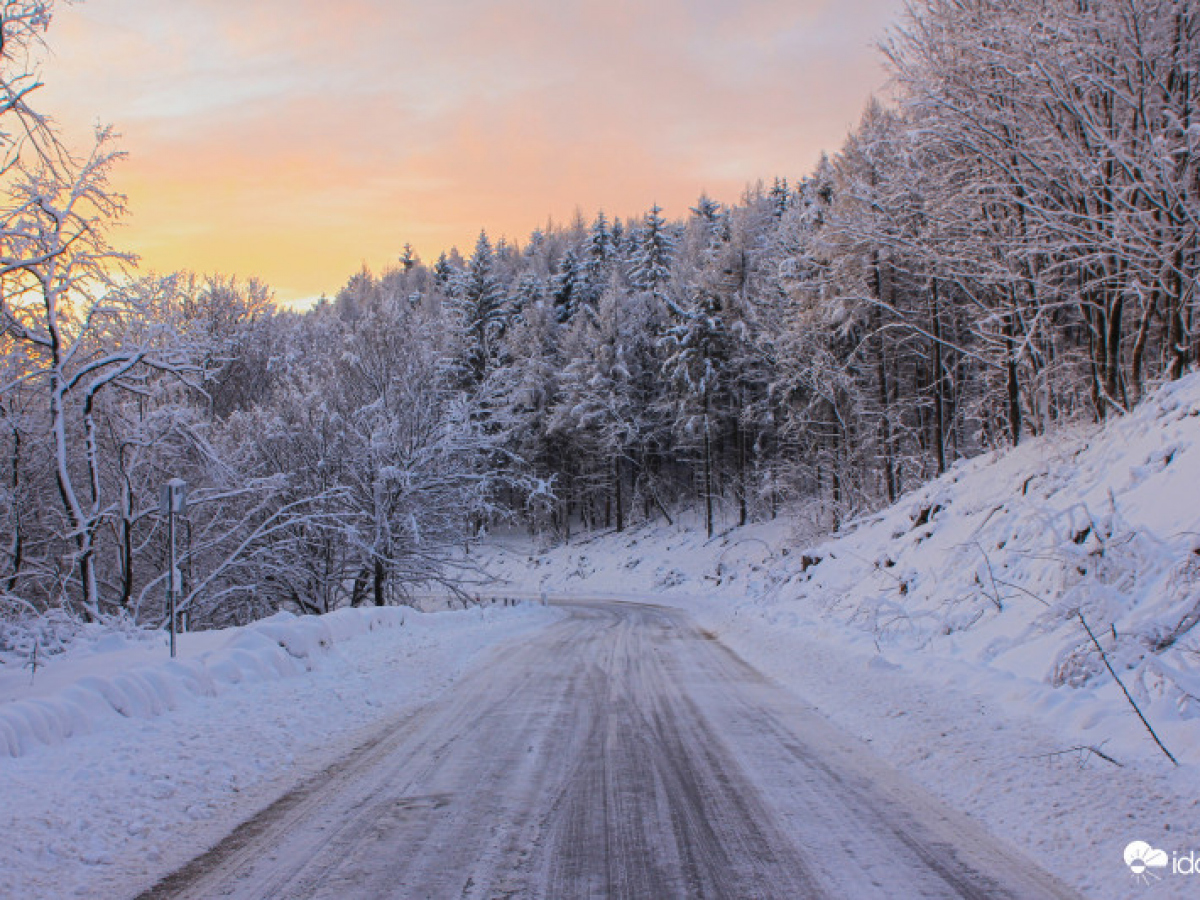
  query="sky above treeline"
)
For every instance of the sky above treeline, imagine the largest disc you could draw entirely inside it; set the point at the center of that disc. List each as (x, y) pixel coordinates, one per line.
(297, 140)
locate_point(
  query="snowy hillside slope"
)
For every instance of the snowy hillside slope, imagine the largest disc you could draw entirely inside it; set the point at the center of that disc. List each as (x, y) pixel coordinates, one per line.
(946, 630)
(117, 764)
(991, 564)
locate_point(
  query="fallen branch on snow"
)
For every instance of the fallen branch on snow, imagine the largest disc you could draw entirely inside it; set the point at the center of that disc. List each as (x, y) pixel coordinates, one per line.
(1084, 751)
(1124, 690)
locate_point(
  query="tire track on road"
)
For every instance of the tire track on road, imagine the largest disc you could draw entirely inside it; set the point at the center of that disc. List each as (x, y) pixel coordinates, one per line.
(618, 753)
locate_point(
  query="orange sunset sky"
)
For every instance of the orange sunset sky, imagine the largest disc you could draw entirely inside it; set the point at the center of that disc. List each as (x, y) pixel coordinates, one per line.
(297, 140)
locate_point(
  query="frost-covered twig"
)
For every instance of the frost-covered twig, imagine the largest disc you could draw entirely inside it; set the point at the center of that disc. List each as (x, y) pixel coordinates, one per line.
(34, 662)
(1083, 750)
(1124, 690)
(995, 595)
(1026, 591)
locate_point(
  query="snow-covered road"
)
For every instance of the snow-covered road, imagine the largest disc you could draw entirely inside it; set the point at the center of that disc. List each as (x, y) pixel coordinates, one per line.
(620, 752)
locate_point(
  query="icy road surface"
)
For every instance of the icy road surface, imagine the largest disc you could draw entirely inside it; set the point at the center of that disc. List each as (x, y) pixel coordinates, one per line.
(618, 753)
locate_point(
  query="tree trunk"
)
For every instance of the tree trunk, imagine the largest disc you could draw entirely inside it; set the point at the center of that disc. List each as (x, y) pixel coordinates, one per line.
(16, 547)
(1177, 347)
(742, 487)
(1013, 384)
(126, 537)
(1114, 384)
(939, 381)
(80, 527)
(708, 504)
(885, 426)
(380, 582)
(617, 499)
(359, 589)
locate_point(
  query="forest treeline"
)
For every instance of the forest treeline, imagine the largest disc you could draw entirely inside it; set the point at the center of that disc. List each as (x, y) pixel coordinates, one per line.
(1009, 243)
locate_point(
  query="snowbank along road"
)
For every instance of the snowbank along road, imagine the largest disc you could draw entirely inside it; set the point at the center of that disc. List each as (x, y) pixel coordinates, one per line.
(618, 753)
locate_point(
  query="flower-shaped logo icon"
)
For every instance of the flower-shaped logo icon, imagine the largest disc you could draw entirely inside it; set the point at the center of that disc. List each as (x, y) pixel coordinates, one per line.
(1142, 859)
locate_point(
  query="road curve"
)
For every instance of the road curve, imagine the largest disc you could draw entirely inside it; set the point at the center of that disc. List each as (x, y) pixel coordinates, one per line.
(620, 752)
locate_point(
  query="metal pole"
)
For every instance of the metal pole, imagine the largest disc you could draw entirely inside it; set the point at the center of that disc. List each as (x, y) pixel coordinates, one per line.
(171, 575)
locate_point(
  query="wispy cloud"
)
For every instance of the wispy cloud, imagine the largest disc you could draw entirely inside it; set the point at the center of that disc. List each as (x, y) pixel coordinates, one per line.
(297, 139)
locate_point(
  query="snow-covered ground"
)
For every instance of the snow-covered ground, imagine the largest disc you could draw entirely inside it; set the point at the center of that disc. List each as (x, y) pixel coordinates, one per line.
(117, 764)
(946, 631)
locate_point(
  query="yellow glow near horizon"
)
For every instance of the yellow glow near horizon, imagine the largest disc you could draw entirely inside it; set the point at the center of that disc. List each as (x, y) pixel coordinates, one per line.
(297, 141)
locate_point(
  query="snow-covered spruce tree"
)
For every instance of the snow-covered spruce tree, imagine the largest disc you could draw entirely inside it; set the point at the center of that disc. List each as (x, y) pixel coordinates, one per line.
(780, 197)
(650, 256)
(475, 304)
(600, 250)
(568, 287)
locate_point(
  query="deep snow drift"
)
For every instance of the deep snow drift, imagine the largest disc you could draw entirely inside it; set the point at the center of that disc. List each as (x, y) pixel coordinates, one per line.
(947, 630)
(117, 765)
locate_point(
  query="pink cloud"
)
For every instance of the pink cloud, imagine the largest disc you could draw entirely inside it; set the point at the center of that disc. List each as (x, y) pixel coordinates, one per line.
(395, 121)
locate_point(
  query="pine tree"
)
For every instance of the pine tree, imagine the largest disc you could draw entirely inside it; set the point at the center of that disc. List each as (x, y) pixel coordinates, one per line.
(650, 264)
(568, 287)
(443, 272)
(600, 240)
(780, 197)
(597, 262)
(478, 313)
(409, 258)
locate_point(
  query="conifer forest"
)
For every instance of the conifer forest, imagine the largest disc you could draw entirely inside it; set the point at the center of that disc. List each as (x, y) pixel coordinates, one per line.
(1008, 241)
